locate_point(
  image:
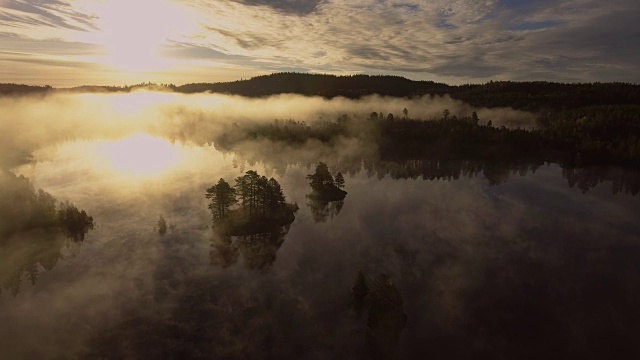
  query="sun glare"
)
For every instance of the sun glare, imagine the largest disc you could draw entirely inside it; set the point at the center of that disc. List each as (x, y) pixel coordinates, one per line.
(132, 32)
(140, 155)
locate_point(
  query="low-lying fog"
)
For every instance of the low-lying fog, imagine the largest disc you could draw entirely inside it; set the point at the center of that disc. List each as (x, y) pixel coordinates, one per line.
(33, 122)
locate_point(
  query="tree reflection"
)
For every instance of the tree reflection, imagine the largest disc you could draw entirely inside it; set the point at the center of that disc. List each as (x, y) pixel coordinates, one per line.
(622, 180)
(34, 228)
(25, 253)
(258, 250)
(386, 318)
(323, 210)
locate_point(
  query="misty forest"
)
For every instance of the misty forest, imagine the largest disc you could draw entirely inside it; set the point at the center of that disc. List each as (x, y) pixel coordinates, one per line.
(317, 216)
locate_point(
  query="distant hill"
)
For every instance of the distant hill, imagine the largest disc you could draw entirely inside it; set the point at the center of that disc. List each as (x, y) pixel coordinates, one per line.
(531, 96)
(353, 86)
(6, 89)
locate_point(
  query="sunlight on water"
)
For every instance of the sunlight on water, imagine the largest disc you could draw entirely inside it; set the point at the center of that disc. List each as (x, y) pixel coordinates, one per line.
(140, 155)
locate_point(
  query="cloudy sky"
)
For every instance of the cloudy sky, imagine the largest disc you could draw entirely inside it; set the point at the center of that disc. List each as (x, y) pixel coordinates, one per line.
(73, 42)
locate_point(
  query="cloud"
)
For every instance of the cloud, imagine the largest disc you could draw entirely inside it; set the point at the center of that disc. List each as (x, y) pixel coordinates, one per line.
(298, 7)
(453, 41)
(49, 13)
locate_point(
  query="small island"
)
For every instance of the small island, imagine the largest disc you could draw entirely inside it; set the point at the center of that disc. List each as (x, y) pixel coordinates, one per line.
(324, 186)
(254, 205)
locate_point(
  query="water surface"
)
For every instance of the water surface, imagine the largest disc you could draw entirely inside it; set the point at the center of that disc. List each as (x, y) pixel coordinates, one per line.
(487, 260)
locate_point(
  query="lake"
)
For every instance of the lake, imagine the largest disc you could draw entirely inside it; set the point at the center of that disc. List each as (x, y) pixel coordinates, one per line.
(461, 260)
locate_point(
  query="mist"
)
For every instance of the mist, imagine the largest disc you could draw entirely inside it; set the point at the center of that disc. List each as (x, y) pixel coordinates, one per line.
(30, 123)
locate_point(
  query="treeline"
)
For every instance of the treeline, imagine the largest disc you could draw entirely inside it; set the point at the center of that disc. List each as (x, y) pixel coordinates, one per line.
(456, 138)
(602, 136)
(534, 96)
(23, 208)
(595, 135)
(287, 131)
(19, 89)
(149, 86)
(329, 86)
(531, 96)
(431, 168)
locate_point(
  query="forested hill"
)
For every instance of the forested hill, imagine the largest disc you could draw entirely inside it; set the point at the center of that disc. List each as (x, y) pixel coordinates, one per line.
(329, 86)
(531, 96)
(6, 89)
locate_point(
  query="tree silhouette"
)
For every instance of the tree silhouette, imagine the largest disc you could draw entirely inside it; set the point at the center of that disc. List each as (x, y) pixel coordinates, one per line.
(222, 197)
(162, 225)
(262, 205)
(445, 114)
(321, 180)
(247, 187)
(339, 180)
(276, 195)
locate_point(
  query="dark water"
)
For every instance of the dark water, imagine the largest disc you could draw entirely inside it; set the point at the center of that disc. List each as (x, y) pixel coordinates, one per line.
(509, 266)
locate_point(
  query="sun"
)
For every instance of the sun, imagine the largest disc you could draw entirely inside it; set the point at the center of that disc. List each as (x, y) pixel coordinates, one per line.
(133, 32)
(140, 155)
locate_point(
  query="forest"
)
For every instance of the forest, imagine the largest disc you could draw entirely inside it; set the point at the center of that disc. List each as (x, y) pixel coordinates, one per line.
(604, 137)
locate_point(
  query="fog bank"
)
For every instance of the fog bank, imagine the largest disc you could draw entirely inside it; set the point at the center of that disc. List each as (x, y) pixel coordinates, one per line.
(33, 122)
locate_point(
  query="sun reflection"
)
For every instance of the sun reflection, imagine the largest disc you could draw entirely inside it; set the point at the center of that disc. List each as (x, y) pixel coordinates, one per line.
(141, 155)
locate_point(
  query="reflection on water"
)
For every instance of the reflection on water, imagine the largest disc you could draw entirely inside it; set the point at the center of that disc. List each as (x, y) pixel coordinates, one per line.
(258, 250)
(139, 154)
(34, 228)
(386, 317)
(479, 260)
(323, 210)
(24, 255)
(496, 173)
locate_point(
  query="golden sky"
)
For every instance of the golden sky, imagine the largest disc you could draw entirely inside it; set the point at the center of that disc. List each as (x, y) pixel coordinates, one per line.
(104, 42)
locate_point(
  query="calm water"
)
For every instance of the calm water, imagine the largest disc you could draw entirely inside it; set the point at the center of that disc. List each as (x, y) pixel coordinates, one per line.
(503, 264)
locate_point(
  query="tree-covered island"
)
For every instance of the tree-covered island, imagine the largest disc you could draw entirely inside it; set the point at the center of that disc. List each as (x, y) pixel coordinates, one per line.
(254, 205)
(324, 186)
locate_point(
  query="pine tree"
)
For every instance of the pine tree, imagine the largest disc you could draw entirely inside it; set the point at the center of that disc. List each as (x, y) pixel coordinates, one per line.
(222, 197)
(322, 179)
(277, 198)
(247, 188)
(339, 180)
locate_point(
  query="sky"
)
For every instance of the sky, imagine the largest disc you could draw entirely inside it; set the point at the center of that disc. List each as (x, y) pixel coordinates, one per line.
(116, 42)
